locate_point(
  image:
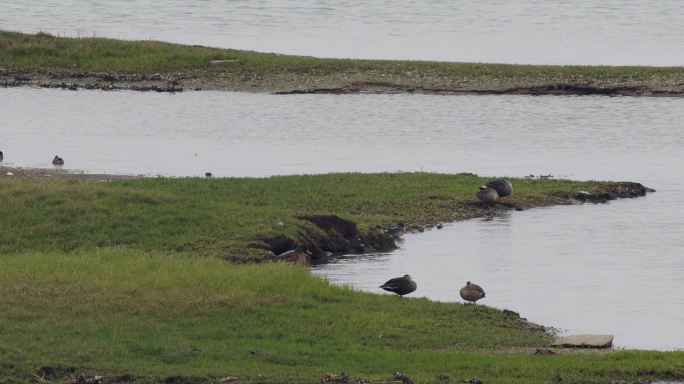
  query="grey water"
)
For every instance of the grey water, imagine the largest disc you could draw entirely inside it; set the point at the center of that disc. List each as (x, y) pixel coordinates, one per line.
(605, 32)
(614, 268)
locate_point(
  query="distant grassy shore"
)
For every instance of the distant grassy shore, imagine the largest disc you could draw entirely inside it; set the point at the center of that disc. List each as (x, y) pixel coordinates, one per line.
(107, 280)
(99, 63)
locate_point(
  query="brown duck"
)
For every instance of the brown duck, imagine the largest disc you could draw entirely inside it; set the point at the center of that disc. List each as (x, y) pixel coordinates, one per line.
(400, 285)
(502, 186)
(58, 160)
(472, 292)
(487, 196)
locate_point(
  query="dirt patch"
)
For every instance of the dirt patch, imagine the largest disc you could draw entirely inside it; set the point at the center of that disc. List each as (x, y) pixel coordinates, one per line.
(331, 234)
(56, 174)
(621, 190)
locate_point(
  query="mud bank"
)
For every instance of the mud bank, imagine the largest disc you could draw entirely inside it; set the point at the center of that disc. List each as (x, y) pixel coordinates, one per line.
(339, 84)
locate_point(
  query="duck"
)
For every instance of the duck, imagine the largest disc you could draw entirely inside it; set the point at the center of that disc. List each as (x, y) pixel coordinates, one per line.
(208, 174)
(1, 156)
(472, 292)
(58, 160)
(396, 230)
(400, 285)
(299, 255)
(487, 195)
(502, 186)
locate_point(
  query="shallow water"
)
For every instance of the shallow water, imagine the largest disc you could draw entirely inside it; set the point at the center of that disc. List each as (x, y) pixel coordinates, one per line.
(607, 32)
(615, 268)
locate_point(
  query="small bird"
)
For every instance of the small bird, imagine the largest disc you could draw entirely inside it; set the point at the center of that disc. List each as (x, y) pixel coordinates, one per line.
(400, 285)
(487, 195)
(58, 160)
(472, 292)
(502, 186)
(1, 156)
(208, 174)
(396, 230)
(299, 255)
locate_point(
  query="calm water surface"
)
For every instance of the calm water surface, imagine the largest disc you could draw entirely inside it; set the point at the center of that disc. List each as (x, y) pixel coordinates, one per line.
(612, 32)
(614, 268)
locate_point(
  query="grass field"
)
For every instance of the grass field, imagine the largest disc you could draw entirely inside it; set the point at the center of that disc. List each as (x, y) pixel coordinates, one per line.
(128, 278)
(222, 217)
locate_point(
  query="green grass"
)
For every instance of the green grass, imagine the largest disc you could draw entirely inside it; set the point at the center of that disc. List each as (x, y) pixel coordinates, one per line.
(45, 53)
(149, 314)
(222, 217)
(128, 277)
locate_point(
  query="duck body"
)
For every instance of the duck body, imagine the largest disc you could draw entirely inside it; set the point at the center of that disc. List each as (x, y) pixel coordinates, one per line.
(400, 285)
(58, 160)
(502, 186)
(487, 195)
(472, 292)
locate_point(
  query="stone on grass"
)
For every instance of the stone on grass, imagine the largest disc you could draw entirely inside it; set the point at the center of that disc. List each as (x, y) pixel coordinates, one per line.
(584, 341)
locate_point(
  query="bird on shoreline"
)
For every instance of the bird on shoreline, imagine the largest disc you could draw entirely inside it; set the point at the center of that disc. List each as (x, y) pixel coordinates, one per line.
(58, 160)
(487, 195)
(400, 285)
(397, 230)
(502, 186)
(299, 255)
(472, 292)
(1, 155)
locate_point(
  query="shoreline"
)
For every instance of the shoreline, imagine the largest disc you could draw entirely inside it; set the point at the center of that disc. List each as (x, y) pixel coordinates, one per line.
(46, 61)
(324, 85)
(326, 234)
(157, 248)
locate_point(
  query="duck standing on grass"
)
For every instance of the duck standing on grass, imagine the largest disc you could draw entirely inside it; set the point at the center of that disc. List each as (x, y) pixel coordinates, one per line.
(400, 285)
(472, 292)
(58, 160)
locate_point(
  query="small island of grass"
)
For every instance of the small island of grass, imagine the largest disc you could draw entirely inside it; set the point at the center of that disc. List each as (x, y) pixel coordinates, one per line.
(100, 63)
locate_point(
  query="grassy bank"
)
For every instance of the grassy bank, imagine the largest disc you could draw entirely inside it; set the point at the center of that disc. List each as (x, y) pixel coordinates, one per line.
(223, 217)
(43, 59)
(127, 278)
(115, 312)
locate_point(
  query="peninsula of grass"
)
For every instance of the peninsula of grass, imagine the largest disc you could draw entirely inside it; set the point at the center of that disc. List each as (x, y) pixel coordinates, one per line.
(100, 63)
(128, 280)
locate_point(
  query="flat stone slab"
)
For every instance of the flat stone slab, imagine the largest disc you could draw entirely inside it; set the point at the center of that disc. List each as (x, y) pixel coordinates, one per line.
(584, 341)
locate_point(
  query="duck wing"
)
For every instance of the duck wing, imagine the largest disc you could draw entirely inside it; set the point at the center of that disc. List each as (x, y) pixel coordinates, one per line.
(395, 283)
(477, 288)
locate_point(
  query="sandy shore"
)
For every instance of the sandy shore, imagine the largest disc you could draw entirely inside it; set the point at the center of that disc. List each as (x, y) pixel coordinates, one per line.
(56, 173)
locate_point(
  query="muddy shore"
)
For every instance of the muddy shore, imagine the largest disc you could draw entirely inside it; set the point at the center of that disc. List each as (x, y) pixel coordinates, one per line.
(339, 83)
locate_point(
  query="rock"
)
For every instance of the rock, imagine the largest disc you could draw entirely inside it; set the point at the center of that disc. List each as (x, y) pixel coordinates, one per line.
(584, 341)
(544, 352)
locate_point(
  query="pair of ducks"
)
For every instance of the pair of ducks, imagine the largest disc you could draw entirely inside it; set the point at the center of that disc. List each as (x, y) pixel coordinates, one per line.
(405, 285)
(490, 192)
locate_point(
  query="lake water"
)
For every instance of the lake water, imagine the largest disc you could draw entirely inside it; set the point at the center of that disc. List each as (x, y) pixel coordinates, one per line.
(616, 268)
(607, 32)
